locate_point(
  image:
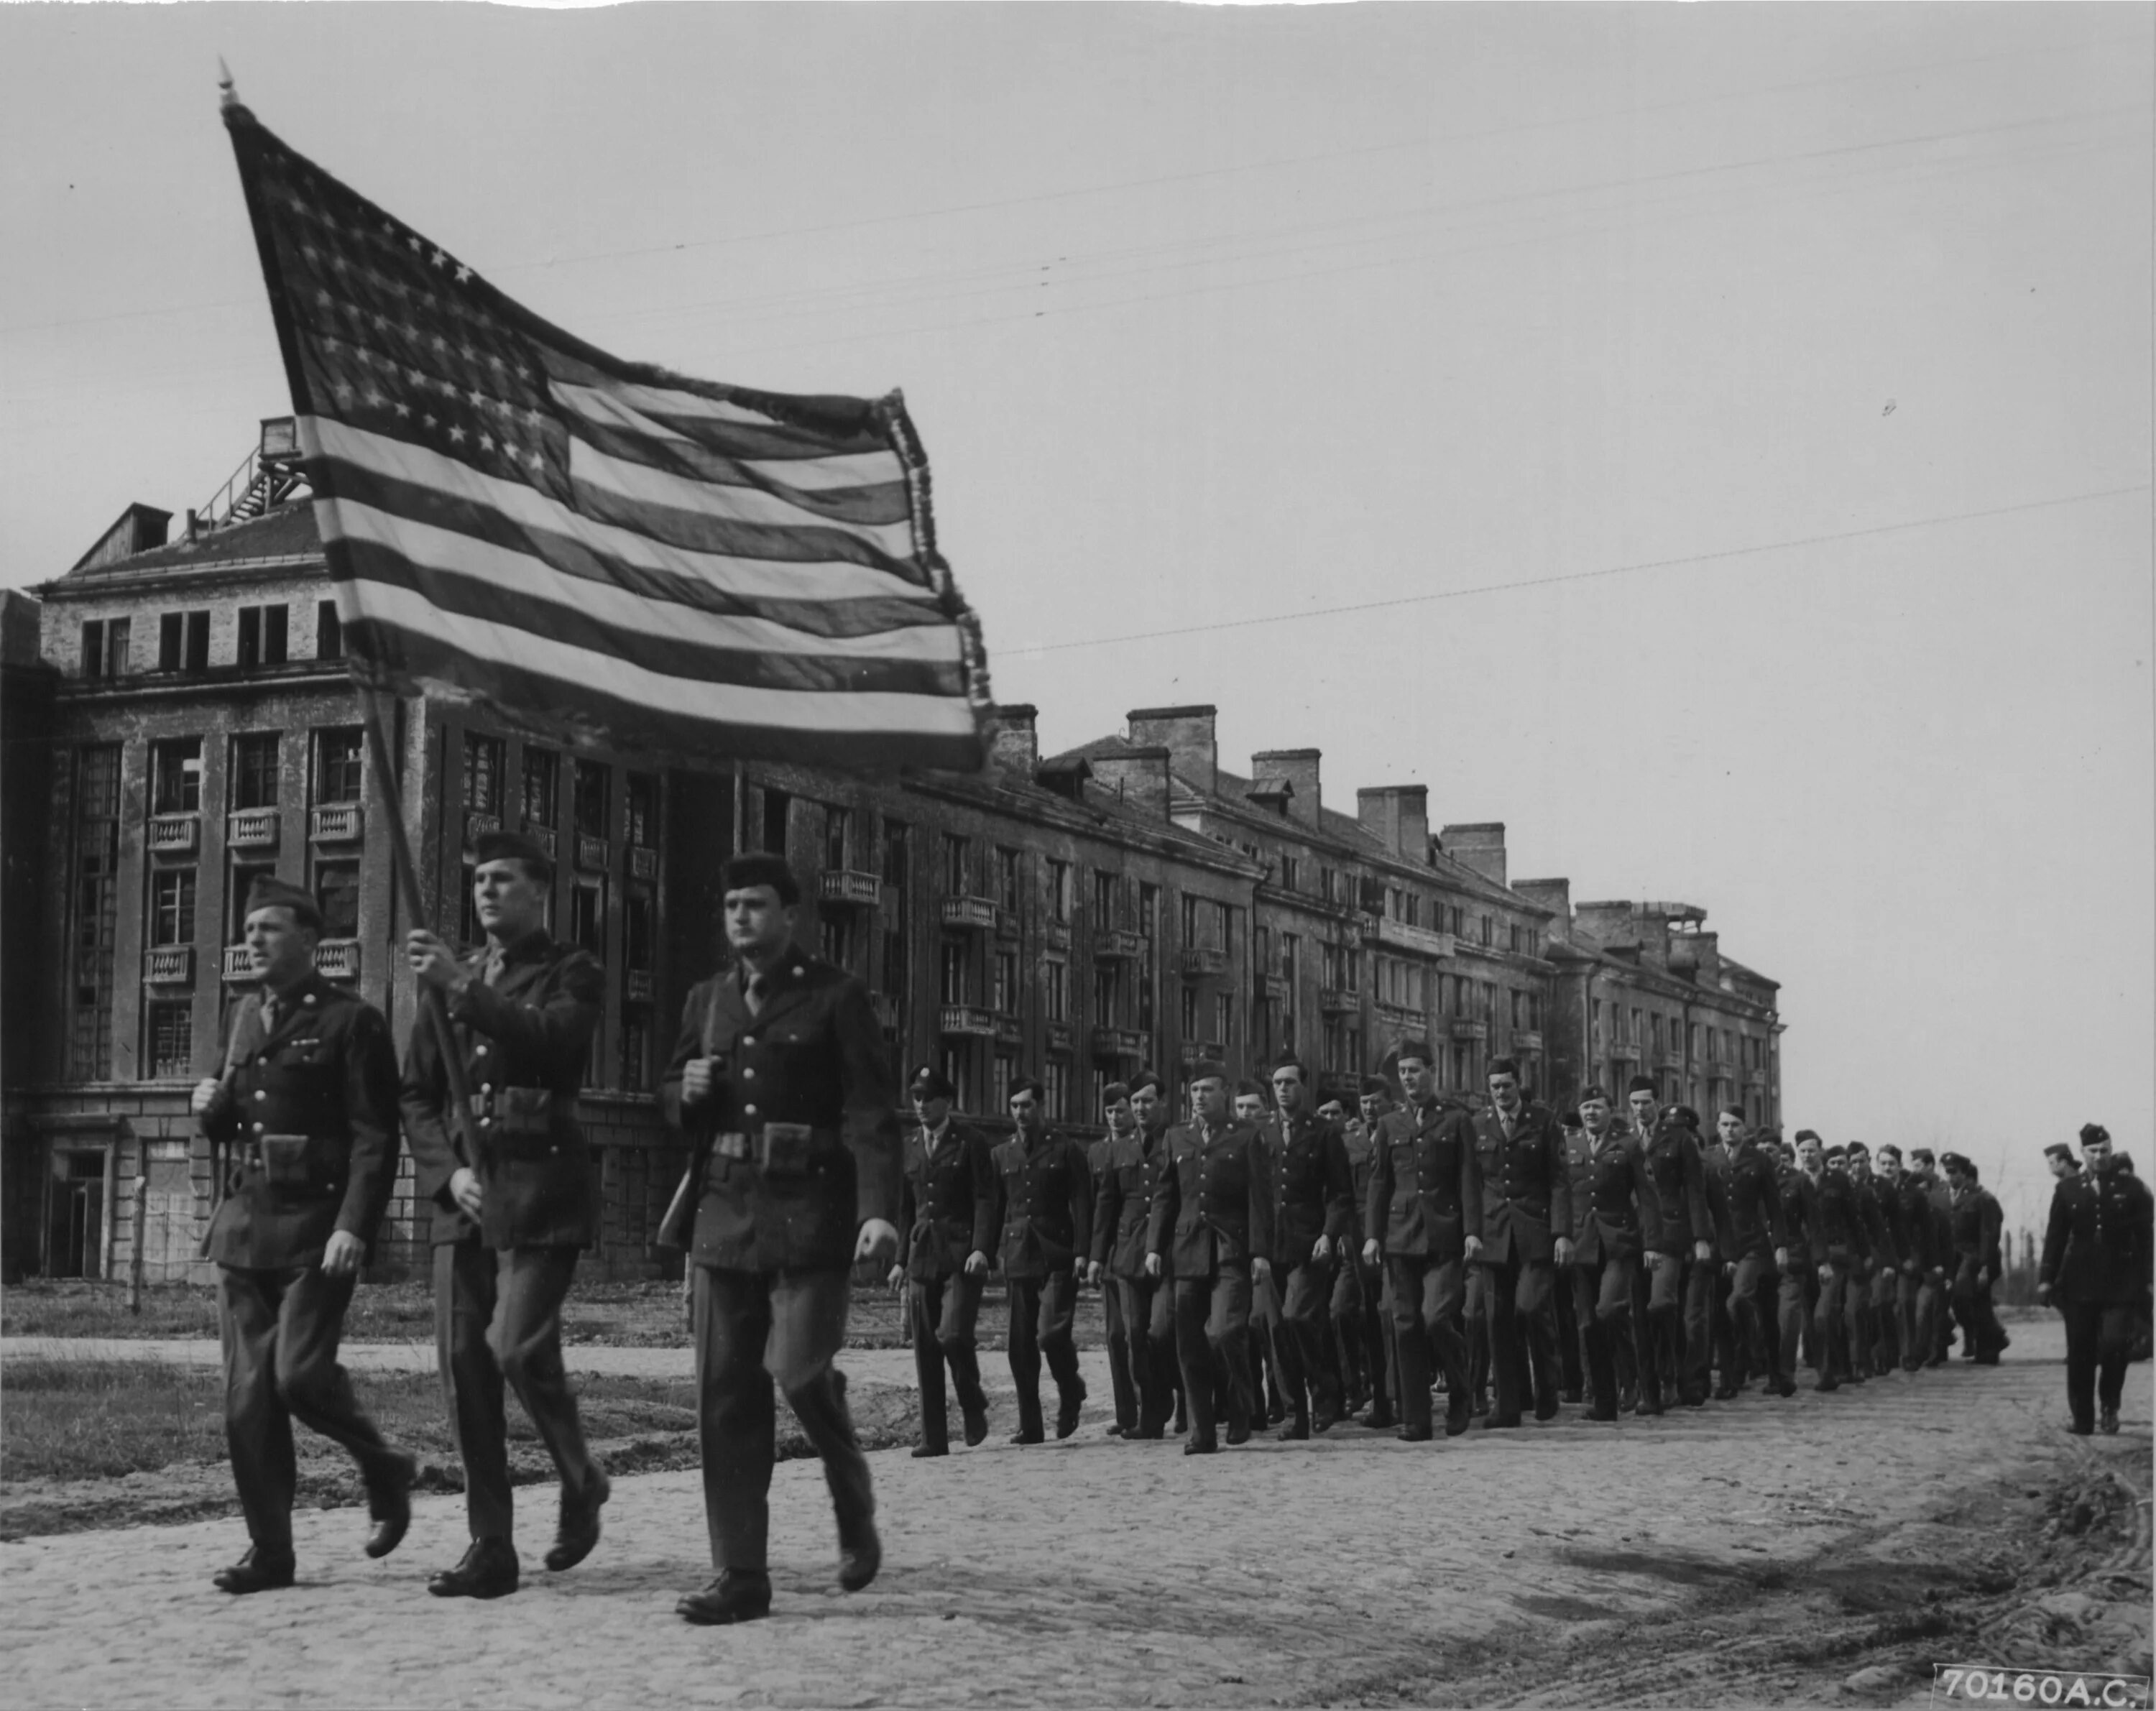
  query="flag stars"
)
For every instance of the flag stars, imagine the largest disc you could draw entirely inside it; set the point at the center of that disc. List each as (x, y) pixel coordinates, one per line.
(485, 441)
(403, 411)
(456, 435)
(439, 260)
(464, 273)
(426, 420)
(414, 244)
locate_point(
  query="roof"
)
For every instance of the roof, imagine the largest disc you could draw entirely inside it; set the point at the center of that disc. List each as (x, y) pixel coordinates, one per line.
(287, 531)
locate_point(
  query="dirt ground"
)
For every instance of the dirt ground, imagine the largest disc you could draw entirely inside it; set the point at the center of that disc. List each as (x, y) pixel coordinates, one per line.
(1821, 1549)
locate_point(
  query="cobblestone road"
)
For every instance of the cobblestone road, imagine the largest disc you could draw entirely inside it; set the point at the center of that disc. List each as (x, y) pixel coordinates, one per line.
(1089, 1572)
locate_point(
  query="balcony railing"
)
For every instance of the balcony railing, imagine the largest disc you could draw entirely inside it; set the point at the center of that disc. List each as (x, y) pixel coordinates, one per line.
(637, 986)
(1670, 1060)
(1625, 1050)
(1278, 989)
(1198, 1050)
(238, 964)
(971, 914)
(337, 823)
(643, 863)
(477, 825)
(337, 959)
(1204, 962)
(592, 853)
(1113, 944)
(1469, 1028)
(1118, 1043)
(251, 829)
(1417, 941)
(1058, 1036)
(1057, 934)
(1755, 1078)
(1401, 1017)
(967, 1020)
(1527, 1039)
(171, 965)
(173, 833)
(860, 891)
(1338, 1000)
(1009, 1031)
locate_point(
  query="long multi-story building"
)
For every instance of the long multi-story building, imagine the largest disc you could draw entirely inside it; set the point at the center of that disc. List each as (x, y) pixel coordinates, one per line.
(181, 717)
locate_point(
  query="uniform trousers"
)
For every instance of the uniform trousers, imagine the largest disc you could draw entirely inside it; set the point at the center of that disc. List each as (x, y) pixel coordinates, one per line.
(1576, 1373)
(1040, 1314)
(1427, 1297)
(1835, 1285)
(1121, 1387)
(1886, 1319)
(1678, 1311)
(1980, 1330)
(1305, 1364)
(1753, 1295)
(2099, 1347)
(1601, 1292)
(1146, 1306)
(1364, 1332)
(280, 1330)
(943, 1312)
(1729, 1359)
(1268, 1377)
(754, 1330)
(497, 1317)
(1212, 1342)
(1523, 1313)
(1921, 1320)
(1798, 1304)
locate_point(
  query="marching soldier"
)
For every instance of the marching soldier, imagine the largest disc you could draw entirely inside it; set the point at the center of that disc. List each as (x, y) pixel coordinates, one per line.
(1122, 1380)
(1840, 1245)
(1422, 1219)
(1048, 1212)
(508, 1224)
(1881, 1354)
(1977, 1218)
(1212, 1215)
(1679, 1250)
(1149, 1105)
(2095, 1269)
(1613, 1207)
(1924, 1169)
(1526, 1217)
(1758, 1246)
(1122, 1198)
(1362, 1324)
(1796, 1182)
(948, 1210)
(1313, 1216)
(1915, 1296)
(307, 1110)
(1268, 1376)
(781, 1083)
(1721, 1329)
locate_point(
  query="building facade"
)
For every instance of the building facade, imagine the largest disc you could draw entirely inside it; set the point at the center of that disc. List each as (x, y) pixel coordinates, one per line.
(181, 718)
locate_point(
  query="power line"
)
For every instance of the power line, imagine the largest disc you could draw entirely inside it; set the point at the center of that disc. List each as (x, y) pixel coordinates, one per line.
(1582, 575)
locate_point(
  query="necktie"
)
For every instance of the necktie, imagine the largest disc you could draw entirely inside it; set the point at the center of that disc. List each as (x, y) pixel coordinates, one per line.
(492, 974)
(1505, 1122)
(752, 990)
(269, 1013)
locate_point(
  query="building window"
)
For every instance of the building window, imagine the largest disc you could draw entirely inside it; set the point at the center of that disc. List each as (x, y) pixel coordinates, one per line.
(1008, 880)
(336, 890)
(242, 882)
(1336, 1048)
(588, 915)
(262, 631)
(956, 858)
(636, 1049)
(170, 1027)
(176, 776)
(183, 641)
(1060, 899)
(589, 783)
(1190, 1012)
(541, 783)
(1103, 901)
(1005, 998)
(895, 864)
(1328, 884)
(1057, 989)
(95, 899)
(1005, 1072)
(1224, 1018)
(254, 770)
(638, 916)
(775, 803)
(338, 773)
(1489, 930)
(644, 810)
(894, 963)
(836, 932)
(1290, 873)
(953, 986)
(1055, 1082)
(172, 905)
(329, 631)
(837, 838)
(482, 773)
(1106, 1010)
(104, 643)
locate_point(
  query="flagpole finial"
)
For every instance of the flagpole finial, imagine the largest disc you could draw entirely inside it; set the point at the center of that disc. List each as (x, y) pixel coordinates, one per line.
(228, 95)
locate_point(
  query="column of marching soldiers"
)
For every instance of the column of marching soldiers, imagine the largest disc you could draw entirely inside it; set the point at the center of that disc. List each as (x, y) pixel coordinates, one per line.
(1267, 1257)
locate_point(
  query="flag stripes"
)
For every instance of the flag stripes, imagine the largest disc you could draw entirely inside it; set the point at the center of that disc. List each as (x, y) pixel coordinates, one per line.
(597, 547)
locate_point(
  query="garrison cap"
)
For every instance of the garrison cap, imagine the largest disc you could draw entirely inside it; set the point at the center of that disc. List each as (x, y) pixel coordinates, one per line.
(1418, 1050)
(268, 892)
(1688, 1118)
(2095, 1133)
(1115, 1093)
(1858, 1149)
(1920, 1155)
(1569, 1117)
(514, 846)
(1589, 1094)
(1837, 1155)
(1377, 1084)
(743, 872)
(1808, 1134)
(1147, 1078)
(1640, 1084)
(1885, 1147)
(2063, 1152)
(1954, 1161)
(1247, 1088)
(930, 1083)
(1206, 1069)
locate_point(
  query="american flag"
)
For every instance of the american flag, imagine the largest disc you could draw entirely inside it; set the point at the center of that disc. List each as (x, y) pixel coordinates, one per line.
(597, 547)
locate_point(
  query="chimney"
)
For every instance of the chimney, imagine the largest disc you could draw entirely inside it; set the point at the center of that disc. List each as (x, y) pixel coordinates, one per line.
(1606, 922)
(1397, 816)
(1138, 775)
(1296, 769)
(1187, 734)
(1480, 846)
(1015, 748)
(1554, 894)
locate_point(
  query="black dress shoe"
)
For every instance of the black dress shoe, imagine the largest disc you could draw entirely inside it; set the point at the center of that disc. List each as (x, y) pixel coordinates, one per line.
(2107, 1421)
(1118, 1430)
(488, 1571)
(860, 1556)
(1066, 1411)
(1546, 1407)
(1650, 1402)
(1238, 1434)
(261, 1571)
(390, 1511)
(1381, 1420)
(1415, 1433)
(1294, 1431)
(577, 1534)
(1573, 1393)
(1725, 1393)
(1500, 1422)
(977, 1426)
(1457, 1420)
(1201, 1446)
(1826, 1386)
(922, 1451)
(1029, 1437)
(737, 1595)
(1784, 1386)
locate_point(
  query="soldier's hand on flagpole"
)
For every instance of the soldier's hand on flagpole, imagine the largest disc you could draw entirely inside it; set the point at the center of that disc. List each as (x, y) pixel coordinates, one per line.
(431, 959)
(204, 1095)
(465, 1190)
(342, 1253)
(977, 1264)
(878, 1240)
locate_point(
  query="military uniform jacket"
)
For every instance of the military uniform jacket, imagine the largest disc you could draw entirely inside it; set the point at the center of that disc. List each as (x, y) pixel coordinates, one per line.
(1123, 1177)
(813, 1054)
(1714, 1168)
(951, 1204)
(1526, 1194)
(1838, 1233)
(1313, 1188)
(1423, 1197)
(1048, 1204)
(524, 1040)
(1913, 1208)
(1800, 1213)
(1977, 1217)
(309, 1110)
(1212, 1204)
(2097, 1243)
(1883, 1222)
(1754, 1229)
(1612, 1196)
(1679, 1176)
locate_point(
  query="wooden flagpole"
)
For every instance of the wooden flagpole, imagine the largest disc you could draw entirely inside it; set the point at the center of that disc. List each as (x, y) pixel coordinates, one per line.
(408, 883)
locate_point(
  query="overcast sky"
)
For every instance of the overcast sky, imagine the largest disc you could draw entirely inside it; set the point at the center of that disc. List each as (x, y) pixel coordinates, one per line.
(1746, 410)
